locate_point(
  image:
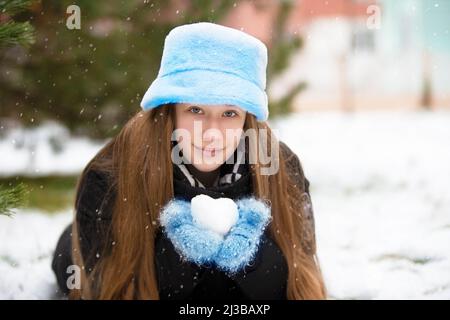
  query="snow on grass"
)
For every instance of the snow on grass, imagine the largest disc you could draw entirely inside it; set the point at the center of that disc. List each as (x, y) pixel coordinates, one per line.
(379, 186)
(45, 150)
(27, 242)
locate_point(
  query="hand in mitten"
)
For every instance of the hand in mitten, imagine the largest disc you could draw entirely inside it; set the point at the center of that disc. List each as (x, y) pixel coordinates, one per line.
(216, 230)
(241, 244)
(192, 242)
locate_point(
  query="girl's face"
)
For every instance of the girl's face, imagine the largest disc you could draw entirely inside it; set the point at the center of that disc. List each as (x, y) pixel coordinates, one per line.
(208, 134)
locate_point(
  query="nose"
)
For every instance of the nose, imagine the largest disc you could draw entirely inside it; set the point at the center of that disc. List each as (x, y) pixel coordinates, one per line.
(211, 134)
(211, 131)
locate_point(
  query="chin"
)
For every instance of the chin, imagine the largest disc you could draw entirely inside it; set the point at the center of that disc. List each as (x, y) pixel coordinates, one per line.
(205, 167)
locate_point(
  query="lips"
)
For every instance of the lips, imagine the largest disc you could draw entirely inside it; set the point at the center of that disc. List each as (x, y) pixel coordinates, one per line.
(208, 151)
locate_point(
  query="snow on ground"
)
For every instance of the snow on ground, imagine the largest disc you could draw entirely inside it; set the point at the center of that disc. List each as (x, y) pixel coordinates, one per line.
(379, 185)
(45, 150)
(27, 241)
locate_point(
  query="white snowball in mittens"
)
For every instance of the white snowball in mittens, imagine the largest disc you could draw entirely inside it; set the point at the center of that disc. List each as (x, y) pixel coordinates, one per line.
(218, 215)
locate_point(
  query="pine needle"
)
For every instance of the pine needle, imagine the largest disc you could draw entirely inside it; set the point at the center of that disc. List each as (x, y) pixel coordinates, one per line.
(11, 198)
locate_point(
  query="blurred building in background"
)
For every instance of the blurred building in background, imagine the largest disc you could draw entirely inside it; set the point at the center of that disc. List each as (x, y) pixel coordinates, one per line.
(363, 54)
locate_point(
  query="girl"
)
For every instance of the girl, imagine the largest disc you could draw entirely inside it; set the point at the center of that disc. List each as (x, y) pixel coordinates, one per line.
(141, 230)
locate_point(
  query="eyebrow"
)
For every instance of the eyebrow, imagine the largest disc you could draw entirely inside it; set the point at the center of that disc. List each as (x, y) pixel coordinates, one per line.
(233, 106)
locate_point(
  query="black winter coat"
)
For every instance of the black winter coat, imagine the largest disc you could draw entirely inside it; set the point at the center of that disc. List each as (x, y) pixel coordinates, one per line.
(265, 278)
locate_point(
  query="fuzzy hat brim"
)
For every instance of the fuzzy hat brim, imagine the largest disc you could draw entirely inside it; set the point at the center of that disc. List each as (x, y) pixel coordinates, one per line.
(216, 87)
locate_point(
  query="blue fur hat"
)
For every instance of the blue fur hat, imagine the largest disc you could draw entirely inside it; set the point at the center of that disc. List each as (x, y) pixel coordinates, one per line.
(206, 63)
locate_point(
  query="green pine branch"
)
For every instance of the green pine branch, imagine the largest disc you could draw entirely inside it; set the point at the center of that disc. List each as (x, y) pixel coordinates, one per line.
(283, 47)
(12, 7)
(11, 32)
(11, 198)
(16, 33)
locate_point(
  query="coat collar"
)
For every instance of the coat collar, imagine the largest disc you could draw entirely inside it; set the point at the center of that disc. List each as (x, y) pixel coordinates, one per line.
(240, 188)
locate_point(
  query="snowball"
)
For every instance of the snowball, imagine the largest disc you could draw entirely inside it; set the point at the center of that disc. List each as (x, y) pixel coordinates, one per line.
(218, 215)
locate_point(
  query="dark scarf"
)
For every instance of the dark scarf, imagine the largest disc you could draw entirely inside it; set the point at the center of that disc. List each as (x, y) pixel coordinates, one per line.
(234, 179)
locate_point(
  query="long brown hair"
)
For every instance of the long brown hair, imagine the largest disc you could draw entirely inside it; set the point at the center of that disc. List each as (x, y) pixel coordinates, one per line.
(139, 162)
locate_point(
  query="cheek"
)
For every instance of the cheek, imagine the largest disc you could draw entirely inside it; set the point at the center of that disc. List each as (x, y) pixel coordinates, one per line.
(183, 132)
(232, 144)
(232, 141)
(232, 135)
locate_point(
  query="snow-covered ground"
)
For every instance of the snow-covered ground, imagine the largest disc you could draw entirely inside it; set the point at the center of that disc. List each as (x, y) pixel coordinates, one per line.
(27, 242)
(380, 190)
(45, 150)
(379, 185)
